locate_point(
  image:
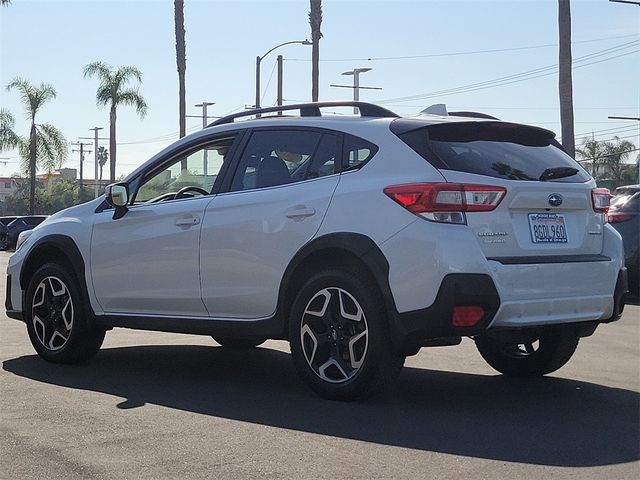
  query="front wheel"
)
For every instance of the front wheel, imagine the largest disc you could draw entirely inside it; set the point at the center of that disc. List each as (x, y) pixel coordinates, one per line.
(339, 336)
(56, 317)
(535, 357)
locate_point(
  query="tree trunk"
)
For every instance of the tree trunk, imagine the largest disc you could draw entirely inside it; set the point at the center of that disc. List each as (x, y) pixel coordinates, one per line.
(315, 20)
(565, 82)
(112, 144)
(181, 62)
(32, 168)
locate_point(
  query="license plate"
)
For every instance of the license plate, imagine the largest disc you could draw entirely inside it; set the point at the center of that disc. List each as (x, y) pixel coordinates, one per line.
(547, 228)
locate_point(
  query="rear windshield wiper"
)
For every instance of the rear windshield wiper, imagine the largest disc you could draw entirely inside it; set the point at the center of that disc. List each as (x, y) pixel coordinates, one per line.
(557, 172)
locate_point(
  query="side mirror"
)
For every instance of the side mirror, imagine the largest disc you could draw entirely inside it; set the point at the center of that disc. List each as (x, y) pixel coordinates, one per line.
(117, 195)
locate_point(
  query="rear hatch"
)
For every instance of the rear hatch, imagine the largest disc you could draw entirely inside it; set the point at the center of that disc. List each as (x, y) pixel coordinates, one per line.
(547, 208)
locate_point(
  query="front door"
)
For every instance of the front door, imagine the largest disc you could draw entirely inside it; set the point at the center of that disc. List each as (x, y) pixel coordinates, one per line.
(147, 262)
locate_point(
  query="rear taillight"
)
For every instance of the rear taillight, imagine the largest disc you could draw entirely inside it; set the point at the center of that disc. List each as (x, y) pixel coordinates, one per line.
(617, 217)
(446, 202)
(601, 199)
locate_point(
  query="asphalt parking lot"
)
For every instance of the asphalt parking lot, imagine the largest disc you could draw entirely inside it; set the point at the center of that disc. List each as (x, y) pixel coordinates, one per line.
(154, 405)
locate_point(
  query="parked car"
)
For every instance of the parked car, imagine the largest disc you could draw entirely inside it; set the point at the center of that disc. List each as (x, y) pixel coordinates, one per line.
(358, 239)
(19, 225)
(4, 221)
(624, 215)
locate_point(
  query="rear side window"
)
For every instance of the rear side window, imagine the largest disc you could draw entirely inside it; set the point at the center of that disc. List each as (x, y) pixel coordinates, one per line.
(493, 149)
(357, 152)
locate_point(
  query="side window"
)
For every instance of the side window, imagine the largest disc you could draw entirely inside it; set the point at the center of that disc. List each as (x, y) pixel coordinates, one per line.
(357, 152)
(197, 168)
(278, 157)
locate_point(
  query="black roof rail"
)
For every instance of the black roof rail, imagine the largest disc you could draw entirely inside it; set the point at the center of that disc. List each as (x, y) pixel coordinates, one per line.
(312, 109)
(472, 115)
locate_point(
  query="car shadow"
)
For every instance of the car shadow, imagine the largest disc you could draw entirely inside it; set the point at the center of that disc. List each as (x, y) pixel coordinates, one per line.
(546, 421)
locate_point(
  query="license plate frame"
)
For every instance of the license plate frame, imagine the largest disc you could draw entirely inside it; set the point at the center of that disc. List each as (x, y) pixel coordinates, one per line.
(548, 228)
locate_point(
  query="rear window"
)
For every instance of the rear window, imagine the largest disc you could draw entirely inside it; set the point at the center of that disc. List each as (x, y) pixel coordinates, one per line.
(493, 149)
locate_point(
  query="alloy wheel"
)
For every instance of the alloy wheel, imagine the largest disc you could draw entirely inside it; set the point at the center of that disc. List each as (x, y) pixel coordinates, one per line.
(334, 335)
(52, 312)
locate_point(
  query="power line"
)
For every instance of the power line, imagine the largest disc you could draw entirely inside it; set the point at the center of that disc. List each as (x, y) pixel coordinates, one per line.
(451, 54)
(522, 76)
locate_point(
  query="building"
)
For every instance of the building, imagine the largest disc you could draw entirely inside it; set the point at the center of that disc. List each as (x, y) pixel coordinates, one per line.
(8, 186)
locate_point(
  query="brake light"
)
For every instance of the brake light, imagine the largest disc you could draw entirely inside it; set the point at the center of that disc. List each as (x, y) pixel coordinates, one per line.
(446, 202)
(617, 217)
(601, 199)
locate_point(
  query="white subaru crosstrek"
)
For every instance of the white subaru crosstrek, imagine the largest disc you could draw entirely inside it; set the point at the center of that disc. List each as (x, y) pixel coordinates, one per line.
(359, 239)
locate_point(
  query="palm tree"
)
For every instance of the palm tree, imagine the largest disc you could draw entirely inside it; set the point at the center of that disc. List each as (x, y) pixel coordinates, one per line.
(617, 153)
(592, 151)
(565, 82)
(5, 2)
(113, 92)
(103, 157)
(315, 20)
(8, 138)
(46, 147)
(181, 61)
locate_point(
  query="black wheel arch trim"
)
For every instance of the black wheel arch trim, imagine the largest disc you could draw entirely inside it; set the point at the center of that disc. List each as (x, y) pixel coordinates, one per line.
(72, 255)
(356, 244)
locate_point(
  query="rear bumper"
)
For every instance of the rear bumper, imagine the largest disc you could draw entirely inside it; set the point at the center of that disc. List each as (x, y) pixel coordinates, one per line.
(411, 329)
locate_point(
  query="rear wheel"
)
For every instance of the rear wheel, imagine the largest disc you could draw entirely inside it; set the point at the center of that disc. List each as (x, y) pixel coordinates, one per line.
(56, 317)
(240, 343)
(535, 357)
(339, 336)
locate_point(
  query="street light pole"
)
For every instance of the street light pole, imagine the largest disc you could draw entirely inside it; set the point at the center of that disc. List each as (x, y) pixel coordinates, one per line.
(259, 60)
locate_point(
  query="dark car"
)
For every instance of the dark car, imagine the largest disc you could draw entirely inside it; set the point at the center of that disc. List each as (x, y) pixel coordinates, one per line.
(19, 225)
(4, 221)
(624, 215)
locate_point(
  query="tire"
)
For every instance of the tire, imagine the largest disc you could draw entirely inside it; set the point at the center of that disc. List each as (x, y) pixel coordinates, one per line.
(525, 360)
(240, 343)
(339, 336)
(57, 317)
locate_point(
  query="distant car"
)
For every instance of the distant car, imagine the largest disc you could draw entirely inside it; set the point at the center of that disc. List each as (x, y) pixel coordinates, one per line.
(4, 221)
(20, 225)
(624, 216)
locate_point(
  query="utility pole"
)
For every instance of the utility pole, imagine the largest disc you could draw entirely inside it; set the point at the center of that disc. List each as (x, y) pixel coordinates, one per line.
(95, 150)
(280, 80)
(82, 151)
(356, 84)
(205, 160)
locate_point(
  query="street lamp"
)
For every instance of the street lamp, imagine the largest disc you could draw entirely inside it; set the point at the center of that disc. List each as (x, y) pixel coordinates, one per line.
(259, 59)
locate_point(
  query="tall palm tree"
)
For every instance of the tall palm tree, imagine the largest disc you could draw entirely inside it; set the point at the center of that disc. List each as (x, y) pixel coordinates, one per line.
(113, 92)
(315, 20)
(617, 154)
(5, 2)
(46, 147)
(181, 61)
(592, 151)
(8, 137)
(565, 82)
(103, 157)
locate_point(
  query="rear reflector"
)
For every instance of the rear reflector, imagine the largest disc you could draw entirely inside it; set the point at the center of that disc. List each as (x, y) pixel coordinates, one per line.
(618, 217)
(441, 199)
(467, 316)
(601, 199)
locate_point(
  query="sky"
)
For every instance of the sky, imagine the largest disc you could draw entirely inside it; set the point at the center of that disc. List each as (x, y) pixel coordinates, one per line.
(420, 53)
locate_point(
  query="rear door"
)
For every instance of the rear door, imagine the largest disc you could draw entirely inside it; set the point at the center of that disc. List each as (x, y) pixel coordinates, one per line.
(277, 198)
(547, 208)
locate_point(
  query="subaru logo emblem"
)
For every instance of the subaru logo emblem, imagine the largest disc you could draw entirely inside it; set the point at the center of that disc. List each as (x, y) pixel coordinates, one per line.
(555, 199)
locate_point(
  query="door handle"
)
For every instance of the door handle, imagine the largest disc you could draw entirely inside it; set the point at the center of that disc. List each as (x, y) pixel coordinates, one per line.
(187, 221)
(300, 212)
